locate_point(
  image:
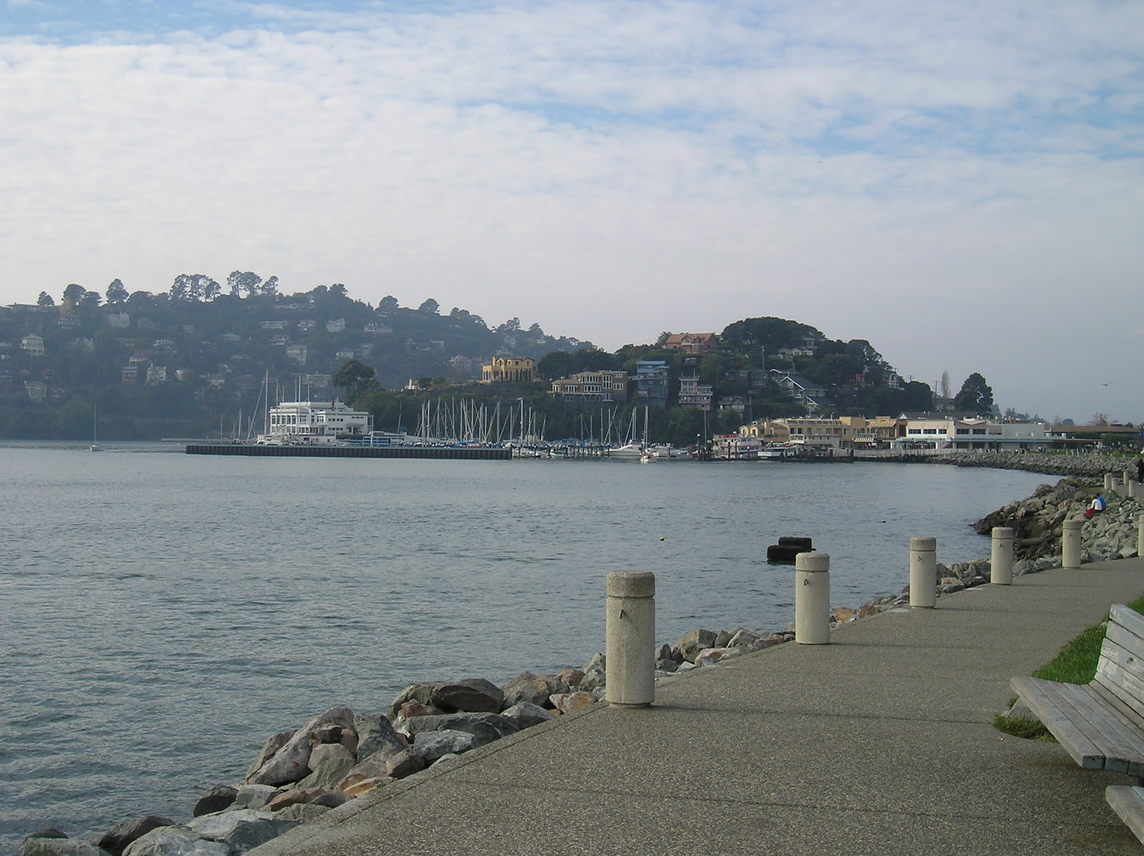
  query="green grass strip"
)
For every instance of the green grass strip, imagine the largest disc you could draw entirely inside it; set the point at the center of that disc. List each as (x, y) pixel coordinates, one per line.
(1075, 664)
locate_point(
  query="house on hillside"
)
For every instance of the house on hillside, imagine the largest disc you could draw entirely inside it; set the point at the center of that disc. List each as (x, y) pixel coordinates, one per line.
(593, 386)
(509, 370)
(691, 343)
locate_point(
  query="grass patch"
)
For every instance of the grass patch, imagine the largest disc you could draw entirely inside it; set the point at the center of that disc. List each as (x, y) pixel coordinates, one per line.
(1075, 664)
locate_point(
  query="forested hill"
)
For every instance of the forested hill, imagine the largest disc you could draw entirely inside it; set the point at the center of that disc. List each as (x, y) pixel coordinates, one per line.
(191, 361)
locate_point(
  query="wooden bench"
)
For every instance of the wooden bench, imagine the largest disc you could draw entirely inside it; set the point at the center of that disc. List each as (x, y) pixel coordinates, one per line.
(1100, 724)
(1128, 802)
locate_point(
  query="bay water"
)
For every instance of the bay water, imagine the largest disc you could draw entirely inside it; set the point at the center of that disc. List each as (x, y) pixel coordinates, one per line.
(162, 614)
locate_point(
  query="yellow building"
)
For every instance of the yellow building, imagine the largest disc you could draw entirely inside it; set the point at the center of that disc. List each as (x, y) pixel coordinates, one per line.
(509, 370)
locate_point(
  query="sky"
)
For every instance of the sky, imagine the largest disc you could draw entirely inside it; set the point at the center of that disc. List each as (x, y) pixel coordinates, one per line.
(960, 183)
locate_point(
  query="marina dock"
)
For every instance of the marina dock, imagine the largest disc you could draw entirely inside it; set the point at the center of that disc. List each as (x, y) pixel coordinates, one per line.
(456, 453)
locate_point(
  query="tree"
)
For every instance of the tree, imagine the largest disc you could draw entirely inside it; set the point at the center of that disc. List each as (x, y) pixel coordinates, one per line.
(243, 282)
(116, 291)
(74, 293)
(355, 378)
(975, 396)
(945, 385)
(429, 307)
(388, 303)
(45, 299)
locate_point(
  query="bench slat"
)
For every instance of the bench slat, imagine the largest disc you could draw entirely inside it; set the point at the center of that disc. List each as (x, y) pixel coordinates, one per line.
(1128, 802)
(1058, 716)
(1127, 618)
(1122, 673)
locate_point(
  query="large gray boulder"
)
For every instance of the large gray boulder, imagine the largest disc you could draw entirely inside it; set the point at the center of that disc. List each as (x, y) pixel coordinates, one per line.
(42, 845)
(475, 695)
(241, 830)
(254, 796)
(218, 798)
(175, 841)
(420, 692)
(116, 839)
(534, 689)
(375, 732)
(329, 762)
(525, 714)
(484, 727)
(290, 763)
(432, 745)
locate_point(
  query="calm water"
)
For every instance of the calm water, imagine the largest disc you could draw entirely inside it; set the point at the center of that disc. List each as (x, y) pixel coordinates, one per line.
(162, 614)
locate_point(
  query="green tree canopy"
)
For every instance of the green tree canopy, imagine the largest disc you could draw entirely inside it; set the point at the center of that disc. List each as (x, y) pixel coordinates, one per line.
(975, 395)
(355, 378)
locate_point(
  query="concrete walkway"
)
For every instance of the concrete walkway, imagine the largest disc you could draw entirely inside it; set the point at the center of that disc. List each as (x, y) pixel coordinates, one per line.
(879, 743)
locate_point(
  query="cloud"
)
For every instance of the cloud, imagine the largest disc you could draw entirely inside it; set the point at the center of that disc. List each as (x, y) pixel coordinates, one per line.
(615, 168)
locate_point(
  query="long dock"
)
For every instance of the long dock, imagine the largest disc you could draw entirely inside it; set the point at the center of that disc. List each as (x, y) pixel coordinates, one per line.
(455, 453)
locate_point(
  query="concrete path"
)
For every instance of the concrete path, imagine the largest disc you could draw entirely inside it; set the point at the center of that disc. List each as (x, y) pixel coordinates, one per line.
(879, 743)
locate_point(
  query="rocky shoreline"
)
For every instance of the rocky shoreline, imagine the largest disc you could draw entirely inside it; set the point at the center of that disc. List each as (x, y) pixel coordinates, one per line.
(340, 755)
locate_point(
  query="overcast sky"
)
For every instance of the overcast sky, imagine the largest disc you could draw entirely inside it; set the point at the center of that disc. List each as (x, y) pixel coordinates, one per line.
(958, 182)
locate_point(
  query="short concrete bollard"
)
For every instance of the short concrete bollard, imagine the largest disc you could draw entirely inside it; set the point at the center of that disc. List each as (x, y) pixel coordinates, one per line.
(1109, 482)
(629, 647)
(1001, 557)
(1070, 543)
(812, 598)
(1140, 535)
(923, 572)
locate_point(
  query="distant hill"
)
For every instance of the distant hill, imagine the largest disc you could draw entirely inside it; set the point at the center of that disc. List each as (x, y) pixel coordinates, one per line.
(192, 361)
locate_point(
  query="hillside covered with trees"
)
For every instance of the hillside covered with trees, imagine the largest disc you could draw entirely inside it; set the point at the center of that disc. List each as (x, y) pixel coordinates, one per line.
(191, 362)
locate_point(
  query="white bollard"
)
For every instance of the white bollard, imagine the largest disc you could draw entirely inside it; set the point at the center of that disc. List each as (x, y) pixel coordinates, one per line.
(1070, 543)
(923, 572)
(1140, 535)
(812, 598)
(1109, 481)
(1001, 559)
(629, 651)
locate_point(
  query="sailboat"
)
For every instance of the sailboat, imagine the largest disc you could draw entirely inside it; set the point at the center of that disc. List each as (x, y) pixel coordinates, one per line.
(647, 456)
(94, 447)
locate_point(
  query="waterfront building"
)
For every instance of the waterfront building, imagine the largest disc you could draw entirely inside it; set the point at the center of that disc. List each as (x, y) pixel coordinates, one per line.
(952, 433)
(695, 395)
(509, 370)
(314, 422)
(593, 386)
(651, 382)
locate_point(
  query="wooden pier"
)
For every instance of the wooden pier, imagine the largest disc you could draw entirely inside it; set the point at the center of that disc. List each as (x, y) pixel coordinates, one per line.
(453, 453)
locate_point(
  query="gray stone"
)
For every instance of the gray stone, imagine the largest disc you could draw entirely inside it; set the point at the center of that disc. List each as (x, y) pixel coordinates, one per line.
(404, 763)
(374, 732)
(306, 796)
(373, 766)
(743, 638)
(420, 692)
(175, 841)
(484, 727)
(532, 688)
(475, 695)
(40, 845)
(241, 830)
(116, 839)
(269, 749)
(432, 745)
(289, 764)
(329, 763)
(694, 642)
(253, 796)
(218, 798)
(526, 714)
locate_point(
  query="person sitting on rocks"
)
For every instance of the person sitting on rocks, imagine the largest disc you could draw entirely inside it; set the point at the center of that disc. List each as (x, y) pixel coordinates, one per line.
(1097, 505)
